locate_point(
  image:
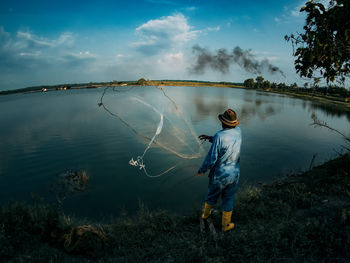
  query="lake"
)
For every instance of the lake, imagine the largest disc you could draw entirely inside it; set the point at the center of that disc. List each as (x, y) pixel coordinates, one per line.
(43, 135)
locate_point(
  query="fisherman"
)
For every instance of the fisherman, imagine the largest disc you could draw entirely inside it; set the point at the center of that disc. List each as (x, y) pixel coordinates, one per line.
(223, 162)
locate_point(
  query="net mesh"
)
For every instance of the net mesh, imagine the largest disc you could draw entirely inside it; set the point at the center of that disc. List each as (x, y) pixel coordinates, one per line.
(156, 118)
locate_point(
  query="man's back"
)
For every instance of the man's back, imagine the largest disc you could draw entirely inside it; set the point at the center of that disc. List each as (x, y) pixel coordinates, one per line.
(228, 143)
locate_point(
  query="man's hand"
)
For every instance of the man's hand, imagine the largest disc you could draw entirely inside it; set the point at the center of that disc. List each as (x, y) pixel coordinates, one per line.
(204, 137)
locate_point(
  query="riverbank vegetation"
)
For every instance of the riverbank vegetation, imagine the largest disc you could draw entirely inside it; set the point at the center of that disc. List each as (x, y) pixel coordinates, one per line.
(302, 218)
(337, 95)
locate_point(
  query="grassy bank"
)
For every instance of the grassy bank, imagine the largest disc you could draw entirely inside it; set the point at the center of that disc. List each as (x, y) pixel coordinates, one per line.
(335, 102)
(302, 218)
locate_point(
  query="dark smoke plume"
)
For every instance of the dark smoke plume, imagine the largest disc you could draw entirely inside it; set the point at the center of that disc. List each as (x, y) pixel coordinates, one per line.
(222, 60)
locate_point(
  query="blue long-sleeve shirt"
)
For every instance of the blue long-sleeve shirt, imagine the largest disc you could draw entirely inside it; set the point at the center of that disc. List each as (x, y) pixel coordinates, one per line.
(223, 156)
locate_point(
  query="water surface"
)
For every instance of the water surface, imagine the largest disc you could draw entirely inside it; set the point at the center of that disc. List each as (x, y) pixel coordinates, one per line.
(45, 134)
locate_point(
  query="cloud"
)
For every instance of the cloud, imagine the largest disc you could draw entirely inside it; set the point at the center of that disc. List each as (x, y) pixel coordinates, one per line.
(190, 8)
(84, 55)
(292, 13)
(278, 20)
(29, 40)
(66, 39)
(167, 65)
(163, 34)
(30, 54)
(28, 59)
(78, 59)
(3, 33)
(27, 50)
(217, 28)
(172, 62)
(296, 10)
(229, 22)
(261, 55)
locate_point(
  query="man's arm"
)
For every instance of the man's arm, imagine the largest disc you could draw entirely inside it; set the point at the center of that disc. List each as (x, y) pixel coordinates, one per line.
(211, 157)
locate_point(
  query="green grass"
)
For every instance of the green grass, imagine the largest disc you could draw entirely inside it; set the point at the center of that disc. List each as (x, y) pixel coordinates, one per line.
(302, 218)
(332, 101)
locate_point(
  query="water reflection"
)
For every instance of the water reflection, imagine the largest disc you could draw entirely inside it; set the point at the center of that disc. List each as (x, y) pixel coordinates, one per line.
(253, 106)
(209, 106)
(42, 135)
(258, 102)
(259, 110)
(331, 110)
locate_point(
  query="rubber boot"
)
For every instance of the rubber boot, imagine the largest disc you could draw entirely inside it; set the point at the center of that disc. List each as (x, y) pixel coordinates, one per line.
(226, 221)
(206, 211)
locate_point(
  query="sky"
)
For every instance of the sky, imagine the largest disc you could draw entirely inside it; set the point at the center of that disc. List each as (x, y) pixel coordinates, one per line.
(55, 42)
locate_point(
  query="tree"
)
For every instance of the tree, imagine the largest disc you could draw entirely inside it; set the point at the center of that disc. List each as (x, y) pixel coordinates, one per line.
(266, 84)
(315, 84)
(282, 86)
(259, 81)
(141, 81)
(294, 86)
(324, 46)
(249, 83)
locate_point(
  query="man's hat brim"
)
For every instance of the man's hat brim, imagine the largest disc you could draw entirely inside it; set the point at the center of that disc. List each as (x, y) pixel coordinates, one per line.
(227, 122)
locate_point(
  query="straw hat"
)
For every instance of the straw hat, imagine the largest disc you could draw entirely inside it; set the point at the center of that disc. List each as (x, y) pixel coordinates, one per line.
(229, 118)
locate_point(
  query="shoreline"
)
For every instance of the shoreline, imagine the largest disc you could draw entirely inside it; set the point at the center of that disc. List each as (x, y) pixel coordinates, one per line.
(337, 102)
(303, 217)
(325, 100)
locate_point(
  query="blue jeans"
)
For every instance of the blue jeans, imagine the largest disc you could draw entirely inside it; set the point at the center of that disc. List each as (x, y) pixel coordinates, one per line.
(227, 192)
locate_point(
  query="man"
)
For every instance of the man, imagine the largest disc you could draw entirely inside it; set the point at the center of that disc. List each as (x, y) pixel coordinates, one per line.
(223, 162)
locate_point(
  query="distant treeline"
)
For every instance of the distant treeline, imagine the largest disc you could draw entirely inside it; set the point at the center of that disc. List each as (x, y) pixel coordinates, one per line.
(168, 82)
(340, 93)
(141, 81)
(310, 89)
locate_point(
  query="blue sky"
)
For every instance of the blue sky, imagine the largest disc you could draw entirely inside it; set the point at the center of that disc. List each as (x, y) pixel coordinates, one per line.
(52, 42)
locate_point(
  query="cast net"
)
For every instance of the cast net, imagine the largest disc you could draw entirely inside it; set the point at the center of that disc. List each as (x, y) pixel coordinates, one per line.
(156, 119)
